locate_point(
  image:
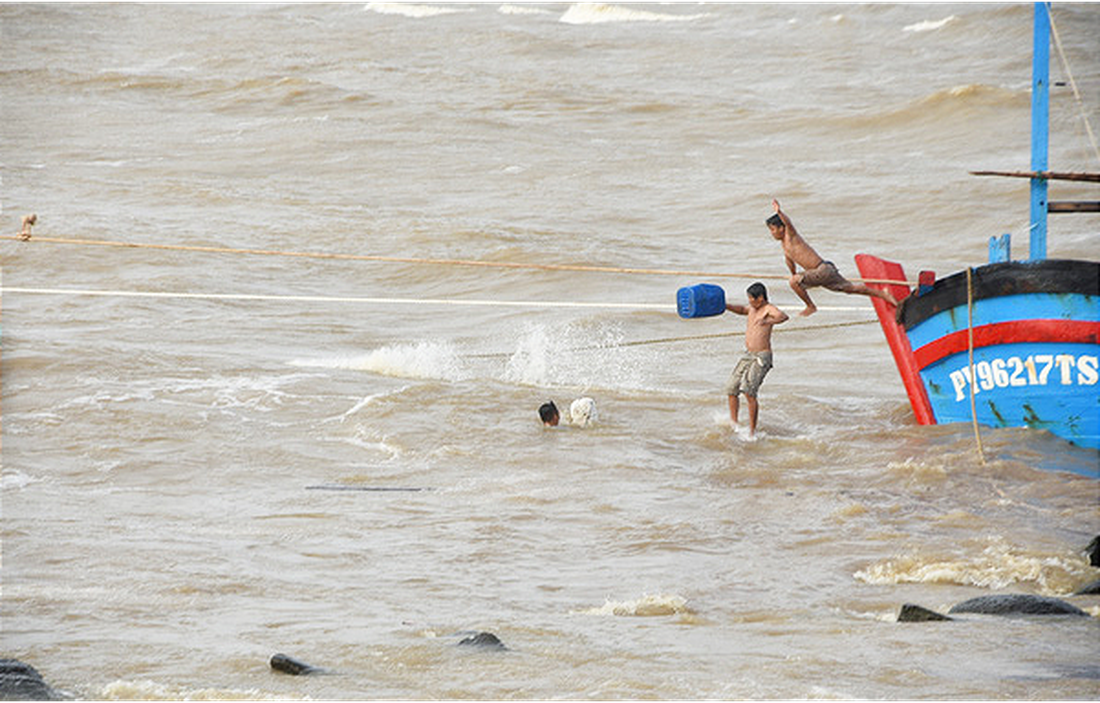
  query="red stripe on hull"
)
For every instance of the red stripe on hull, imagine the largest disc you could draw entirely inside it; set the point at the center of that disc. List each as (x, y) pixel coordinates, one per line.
(1015, 332)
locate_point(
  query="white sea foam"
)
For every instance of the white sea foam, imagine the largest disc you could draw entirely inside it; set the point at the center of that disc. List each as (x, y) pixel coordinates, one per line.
(581, 356)
(16, 480)
(366, 402)
(577, 355)
(263, 393)
(425, 360)
(152, 690)
(929, 25)
(530, 363)
(392, 451)
(598, 13)
(521, 10)
(411, 9)
(646, 606)
(998, 566)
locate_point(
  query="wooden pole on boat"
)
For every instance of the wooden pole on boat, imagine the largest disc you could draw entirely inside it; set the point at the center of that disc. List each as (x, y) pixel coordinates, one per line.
(1074, 206)
(1049, 175)
(1040, 114)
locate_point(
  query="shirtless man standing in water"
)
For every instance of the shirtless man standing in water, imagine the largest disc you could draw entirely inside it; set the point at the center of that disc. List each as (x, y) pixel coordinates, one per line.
(817, 271)
(757, 359)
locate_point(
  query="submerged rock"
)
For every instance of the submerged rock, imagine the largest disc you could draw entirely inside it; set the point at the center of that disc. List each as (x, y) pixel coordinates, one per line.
(483, 639)
(916, 613)
(1017, 604)
(22, 682)
(1091, 589)
(292, 666)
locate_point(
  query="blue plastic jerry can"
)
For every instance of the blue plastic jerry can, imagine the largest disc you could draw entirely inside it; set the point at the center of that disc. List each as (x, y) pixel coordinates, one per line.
(702, 300)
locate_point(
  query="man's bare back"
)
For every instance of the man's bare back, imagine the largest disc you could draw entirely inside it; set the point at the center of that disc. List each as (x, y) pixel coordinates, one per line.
(795, 248)
(816, 271)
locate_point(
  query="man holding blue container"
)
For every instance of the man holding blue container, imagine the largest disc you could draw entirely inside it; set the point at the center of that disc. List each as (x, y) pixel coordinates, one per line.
(705, 300)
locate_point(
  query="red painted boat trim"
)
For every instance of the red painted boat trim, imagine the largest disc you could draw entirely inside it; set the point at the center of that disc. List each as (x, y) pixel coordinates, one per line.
(1014, 332)
(876, 268)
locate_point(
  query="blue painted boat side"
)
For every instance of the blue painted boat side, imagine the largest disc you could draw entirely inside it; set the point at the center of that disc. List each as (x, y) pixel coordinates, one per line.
(1052, 386)
(1009, 308)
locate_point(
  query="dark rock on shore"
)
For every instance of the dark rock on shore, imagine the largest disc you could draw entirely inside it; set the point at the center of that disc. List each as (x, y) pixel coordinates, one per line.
(915, 613)
(22, 682)
(1017, 604)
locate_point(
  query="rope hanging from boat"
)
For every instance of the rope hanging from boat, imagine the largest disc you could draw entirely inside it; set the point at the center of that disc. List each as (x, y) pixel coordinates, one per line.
(970, 350)
(1072, 83)
(422, 261)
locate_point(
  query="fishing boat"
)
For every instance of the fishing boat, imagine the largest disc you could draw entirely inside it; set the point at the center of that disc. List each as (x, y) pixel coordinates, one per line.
(1008, 343)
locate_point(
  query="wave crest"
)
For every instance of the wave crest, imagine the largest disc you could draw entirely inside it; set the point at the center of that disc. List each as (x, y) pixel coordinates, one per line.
(999, 566)
(599, 13)
(646, 606)
(410, 10)
(930, 25)
(425, 360)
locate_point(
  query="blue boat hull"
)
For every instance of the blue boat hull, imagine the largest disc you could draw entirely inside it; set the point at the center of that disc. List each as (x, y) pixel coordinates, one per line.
(1042, 386)
(1034, 328)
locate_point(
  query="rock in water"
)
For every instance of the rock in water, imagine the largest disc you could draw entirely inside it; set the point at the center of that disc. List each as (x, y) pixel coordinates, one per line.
(1017, 604)
(915, 613)
(22, 682)
(1091, 589)
(1093, 550)
(483, 639)
(290, 665)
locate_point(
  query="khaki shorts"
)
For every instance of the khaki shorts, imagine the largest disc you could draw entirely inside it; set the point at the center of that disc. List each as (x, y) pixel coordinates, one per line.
(749, 373)
(824, 275)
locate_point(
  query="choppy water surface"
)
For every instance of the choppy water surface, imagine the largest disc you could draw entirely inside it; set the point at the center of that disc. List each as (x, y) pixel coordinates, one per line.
(163, 535)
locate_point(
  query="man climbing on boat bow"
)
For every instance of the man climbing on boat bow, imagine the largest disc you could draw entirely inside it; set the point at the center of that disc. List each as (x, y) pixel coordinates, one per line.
(816, 271)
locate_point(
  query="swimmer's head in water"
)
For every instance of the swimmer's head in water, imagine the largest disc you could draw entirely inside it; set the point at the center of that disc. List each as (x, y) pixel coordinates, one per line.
(548, 413)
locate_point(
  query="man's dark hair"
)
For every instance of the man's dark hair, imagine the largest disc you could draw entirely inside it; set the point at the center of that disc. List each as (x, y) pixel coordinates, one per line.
(775, 220)
(547, 411)
(757, 290)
